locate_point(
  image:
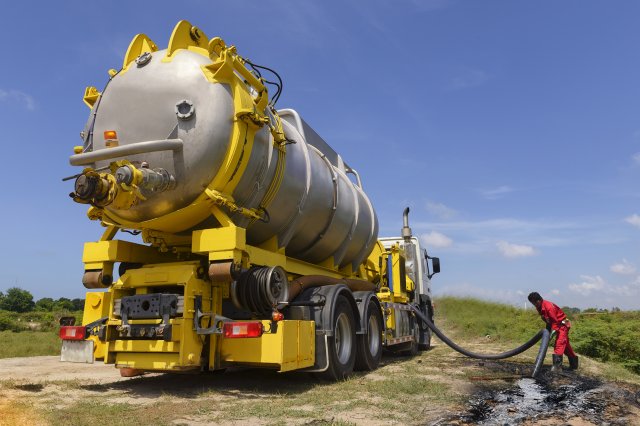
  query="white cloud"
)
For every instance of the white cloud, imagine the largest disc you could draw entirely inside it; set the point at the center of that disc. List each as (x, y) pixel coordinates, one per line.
(623, 268)
(436, 240)
(597, 292)
(515, 250)
(440, 210)
(634, 220)
(18, 97)
(495, 193)
(636, 158)
(466, 289)
(589, 284)
(468, 78)
(555, 292)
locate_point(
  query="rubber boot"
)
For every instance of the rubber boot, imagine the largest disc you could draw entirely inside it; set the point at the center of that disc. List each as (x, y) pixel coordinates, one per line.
(573, 363)
(557, 363)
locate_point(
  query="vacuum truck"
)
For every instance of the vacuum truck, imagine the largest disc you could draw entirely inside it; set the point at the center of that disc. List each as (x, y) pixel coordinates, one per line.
(259, 246)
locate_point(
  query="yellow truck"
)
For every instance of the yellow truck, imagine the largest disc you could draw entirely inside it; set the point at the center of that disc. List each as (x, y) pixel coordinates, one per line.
(259, 246)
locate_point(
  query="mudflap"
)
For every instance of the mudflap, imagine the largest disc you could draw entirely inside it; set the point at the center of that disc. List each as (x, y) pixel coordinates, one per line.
(80, 351)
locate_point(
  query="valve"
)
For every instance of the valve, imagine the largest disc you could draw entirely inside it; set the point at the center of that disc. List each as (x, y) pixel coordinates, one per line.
(156, 180)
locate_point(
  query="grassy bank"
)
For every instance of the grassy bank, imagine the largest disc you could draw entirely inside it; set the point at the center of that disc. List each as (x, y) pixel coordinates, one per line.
(472, 318)
(31, 333)
(28, 343)
(35, 320)
(607, 337)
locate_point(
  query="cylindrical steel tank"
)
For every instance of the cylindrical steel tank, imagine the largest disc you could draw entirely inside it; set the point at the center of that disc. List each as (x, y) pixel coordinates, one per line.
(317, 212)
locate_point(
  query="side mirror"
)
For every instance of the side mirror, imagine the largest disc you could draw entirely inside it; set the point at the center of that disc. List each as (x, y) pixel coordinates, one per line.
(435, 261)
(436, 264)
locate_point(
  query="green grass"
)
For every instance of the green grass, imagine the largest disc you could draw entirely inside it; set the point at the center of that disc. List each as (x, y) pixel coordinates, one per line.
(35, 320)
(315, 403)
(28, 343)
(434, 378)
(607, 337)
(472, 318)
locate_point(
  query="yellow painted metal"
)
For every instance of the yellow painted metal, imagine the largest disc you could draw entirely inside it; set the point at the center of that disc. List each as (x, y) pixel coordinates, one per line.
(145, 346)
(139, 45)
(109, 233)
(212, 240)
(289, 347)
(250, 116)
(228, 202)
(230, 243)
(121, 251)
(162, 361)
(171, 273)
(218, 291)
(187, 36)
(91, 95)
(185, 349)
(96, 306)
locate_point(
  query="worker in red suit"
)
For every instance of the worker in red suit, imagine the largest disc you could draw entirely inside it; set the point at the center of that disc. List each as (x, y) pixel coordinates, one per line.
(556, 320)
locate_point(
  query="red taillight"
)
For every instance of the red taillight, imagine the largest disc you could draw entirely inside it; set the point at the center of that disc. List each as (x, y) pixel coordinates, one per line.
(70, 332)
(242, 329)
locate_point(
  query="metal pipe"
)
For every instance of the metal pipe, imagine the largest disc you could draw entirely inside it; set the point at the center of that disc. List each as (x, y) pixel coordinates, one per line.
(122, 151)
(406, 231)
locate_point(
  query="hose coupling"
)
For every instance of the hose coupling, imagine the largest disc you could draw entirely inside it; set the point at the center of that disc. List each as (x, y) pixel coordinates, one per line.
(152, 180)
(93, 188)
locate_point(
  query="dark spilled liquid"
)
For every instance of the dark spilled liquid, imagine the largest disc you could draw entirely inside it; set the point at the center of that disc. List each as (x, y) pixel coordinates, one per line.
(562, 398)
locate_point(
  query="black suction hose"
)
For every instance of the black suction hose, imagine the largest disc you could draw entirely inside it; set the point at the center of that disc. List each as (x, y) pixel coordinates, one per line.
(542, 352)
(542, 334)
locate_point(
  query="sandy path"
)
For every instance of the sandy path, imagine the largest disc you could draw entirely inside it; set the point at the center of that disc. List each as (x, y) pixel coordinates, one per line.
(49, 368)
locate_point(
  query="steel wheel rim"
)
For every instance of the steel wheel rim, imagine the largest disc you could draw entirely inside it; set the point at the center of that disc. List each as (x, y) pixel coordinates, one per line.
(343, 338)
(373, 336)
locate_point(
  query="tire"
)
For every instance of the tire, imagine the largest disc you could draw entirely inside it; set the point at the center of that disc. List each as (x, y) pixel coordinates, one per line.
(342, 345)
(427, 342)
(426, 331)
(369, 351)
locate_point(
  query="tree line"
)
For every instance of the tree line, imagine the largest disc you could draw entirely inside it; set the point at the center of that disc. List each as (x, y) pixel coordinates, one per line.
(19, 300)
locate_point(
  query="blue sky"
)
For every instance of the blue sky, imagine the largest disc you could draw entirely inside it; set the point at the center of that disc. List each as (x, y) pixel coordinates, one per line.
(511, 128)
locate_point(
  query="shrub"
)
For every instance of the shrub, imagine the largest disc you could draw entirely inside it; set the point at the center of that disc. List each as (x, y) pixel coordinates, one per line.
(10, 321)
(17, 300)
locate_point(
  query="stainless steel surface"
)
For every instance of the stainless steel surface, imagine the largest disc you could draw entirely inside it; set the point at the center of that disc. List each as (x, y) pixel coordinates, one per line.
(91, 157)
(317, 212)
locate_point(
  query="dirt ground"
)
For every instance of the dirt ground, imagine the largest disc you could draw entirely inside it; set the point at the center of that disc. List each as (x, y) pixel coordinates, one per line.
(437, 387)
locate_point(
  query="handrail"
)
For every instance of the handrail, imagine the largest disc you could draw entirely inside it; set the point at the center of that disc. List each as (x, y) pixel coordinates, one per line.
(121, 151)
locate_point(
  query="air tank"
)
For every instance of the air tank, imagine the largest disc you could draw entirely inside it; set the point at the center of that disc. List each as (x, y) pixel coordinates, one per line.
(162, 114)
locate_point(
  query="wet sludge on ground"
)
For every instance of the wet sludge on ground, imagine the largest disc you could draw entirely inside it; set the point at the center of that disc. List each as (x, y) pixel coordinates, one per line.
(551, 399)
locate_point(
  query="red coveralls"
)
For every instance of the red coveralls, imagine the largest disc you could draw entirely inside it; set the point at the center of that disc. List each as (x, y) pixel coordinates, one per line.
(556, 318)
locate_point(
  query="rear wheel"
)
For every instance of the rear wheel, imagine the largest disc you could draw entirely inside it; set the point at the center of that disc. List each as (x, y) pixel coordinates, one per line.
(425, 331)
(342, 345)
(369, 349)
